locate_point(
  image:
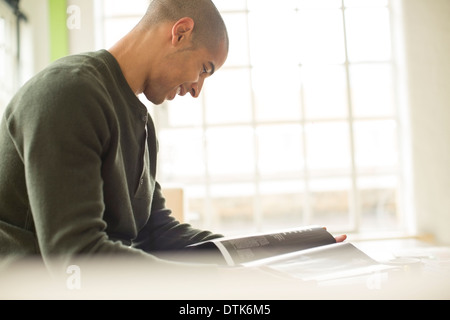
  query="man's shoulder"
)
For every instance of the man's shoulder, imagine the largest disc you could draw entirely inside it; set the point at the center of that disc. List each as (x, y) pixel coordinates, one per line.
(75, 81)
(72, 77)
(78, 68)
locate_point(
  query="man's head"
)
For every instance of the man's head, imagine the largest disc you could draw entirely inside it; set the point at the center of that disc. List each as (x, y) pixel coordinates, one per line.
(210, 29)
(196, 45)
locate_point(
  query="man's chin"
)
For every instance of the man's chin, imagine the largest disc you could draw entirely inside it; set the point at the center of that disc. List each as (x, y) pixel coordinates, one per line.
(172, 96)
(155, 101)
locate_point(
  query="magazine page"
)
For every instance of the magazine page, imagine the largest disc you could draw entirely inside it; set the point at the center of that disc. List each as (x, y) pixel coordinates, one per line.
(239, 250)
(325, 263)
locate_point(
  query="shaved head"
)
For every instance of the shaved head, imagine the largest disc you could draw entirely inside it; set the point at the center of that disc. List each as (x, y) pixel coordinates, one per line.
(209, 27)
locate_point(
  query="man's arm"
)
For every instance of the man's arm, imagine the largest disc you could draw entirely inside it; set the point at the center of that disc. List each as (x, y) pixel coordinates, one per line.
(61, 136)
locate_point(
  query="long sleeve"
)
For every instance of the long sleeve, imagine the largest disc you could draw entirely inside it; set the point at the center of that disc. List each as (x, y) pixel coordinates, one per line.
(62, 144)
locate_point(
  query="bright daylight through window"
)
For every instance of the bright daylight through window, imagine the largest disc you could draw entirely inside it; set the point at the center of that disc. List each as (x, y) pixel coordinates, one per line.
(8, 54)
(300, 125)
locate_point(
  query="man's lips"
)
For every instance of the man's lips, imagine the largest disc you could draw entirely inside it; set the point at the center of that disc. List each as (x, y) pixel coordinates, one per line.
(179, 91)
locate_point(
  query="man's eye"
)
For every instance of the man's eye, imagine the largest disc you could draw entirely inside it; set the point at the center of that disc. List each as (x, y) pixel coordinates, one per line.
(204, 69)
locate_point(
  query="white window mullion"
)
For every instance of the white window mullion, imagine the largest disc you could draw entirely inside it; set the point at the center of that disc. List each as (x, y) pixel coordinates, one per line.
(258, 215)
(355, 214)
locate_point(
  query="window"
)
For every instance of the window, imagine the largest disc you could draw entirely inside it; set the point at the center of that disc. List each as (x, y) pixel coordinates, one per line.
(300, 125)
(8, 55)
(15, 56)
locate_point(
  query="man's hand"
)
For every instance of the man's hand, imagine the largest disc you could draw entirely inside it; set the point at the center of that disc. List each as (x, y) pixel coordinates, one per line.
(341, 238)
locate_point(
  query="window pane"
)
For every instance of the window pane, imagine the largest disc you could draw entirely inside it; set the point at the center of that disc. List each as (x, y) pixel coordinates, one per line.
(232, 207)
(181, 155)
(271, 42)
(319, 3)
(115, 29)
(196, 204)
(9, 68)
(2, 67)
(2, 49)
(125, 8)
(268, 5)
(230, 153)
(280, 150)
(320, 36)
(365, 3)
(237, 32)
(376, 145)
(378, 199)
(330, 203)
(2, 32)
(282, 204)
(230, 5)
(183, 111)
(328, 149)
(228, 97)
(324, 92)
(4, 96)
(368, 34)
(372, 90)
(277, 93)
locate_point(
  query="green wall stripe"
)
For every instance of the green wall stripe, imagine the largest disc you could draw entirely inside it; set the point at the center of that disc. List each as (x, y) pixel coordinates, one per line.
(59, 39)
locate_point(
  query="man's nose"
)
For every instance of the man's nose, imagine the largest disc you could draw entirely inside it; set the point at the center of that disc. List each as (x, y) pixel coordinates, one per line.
(196, 88)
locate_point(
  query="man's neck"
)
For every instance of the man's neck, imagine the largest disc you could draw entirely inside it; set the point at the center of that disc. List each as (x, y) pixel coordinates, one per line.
(135, 54)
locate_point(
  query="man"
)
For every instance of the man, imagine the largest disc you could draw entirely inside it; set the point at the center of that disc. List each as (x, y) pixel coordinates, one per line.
(78, 165)
(79, 149)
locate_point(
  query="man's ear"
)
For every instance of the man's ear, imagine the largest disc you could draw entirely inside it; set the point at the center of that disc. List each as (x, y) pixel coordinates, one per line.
(182, 30)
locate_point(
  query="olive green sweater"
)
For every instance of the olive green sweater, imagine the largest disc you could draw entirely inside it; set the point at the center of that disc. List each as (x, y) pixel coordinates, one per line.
(77, 168)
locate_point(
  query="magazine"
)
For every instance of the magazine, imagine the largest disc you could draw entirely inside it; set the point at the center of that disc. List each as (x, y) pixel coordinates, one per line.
(309, 254)
(238, 250)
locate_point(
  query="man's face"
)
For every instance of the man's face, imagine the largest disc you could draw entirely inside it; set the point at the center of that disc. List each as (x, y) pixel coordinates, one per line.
(184, 72)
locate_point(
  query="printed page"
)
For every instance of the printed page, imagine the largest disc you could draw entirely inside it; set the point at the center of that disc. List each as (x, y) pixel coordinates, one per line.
(326, 263)
(240, 250)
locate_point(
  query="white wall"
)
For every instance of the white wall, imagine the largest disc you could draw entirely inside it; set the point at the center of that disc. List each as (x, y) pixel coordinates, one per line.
(81, 25)
(427, 61)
